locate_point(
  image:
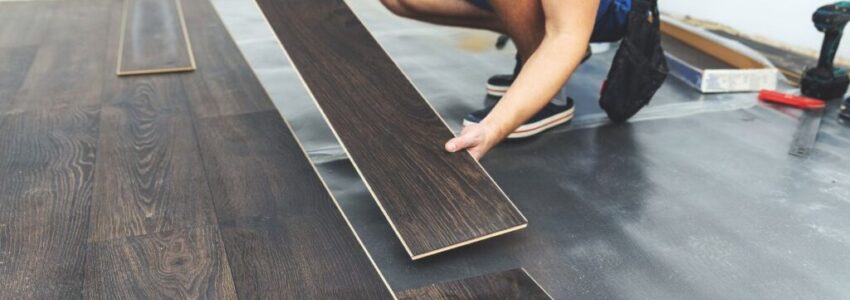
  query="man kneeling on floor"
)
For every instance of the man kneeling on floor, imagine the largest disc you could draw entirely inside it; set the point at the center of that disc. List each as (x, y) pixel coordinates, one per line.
(552, 39)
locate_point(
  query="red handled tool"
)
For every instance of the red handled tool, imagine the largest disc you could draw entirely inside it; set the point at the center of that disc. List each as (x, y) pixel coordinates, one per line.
(807, 130)
(791, 100)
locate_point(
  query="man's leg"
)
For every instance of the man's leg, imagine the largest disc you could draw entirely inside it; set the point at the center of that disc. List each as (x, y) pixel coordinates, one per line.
(458, 13)
(524, 22)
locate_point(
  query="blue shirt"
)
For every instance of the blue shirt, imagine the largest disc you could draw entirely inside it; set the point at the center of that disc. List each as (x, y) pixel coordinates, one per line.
(621, 9)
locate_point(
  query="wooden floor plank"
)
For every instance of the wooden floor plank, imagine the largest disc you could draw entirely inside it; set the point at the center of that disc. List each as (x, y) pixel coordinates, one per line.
(513, 284)
(226, 85)
(182, 264)
(154, 38)
(149, 176)
(47, 162)
(435, 200)
(285, 236)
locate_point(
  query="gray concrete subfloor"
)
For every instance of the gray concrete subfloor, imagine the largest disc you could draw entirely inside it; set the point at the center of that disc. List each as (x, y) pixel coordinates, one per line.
(695, 198)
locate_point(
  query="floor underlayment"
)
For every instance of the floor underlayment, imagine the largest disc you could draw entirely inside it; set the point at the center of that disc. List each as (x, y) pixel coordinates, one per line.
(696, 198)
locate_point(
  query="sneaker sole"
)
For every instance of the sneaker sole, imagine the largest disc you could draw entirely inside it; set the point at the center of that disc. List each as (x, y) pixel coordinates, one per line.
(497, 91)
(531, 129)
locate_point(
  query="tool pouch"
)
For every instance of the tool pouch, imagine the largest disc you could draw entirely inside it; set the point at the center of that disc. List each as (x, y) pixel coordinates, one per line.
(639, 67)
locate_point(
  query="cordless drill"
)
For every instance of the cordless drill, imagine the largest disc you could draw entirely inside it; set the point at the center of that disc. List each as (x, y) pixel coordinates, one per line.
(825, 81)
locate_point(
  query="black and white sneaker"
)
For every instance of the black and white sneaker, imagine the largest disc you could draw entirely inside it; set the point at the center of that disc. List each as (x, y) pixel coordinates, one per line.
(845, 109)
(550, 116)
(498, 85)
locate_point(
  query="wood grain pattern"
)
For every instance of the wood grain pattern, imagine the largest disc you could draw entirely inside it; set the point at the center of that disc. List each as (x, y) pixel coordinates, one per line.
(285, 237)
(47, 161)
(226, 85)
(434, 200)
(183, 264)
(149, 177)
(154, 38)
(513, 284)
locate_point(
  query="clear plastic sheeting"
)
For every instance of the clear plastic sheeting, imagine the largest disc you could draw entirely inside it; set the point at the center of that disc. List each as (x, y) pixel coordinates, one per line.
(695, 198)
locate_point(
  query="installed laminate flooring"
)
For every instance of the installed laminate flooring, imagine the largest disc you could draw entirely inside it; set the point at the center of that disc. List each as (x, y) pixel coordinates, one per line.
(184, 185)
(49, 116)
(149, 177)
(224, 84)
(513, 284)
(47, 160)
(434, 200)
(182, 264)
(154, 38)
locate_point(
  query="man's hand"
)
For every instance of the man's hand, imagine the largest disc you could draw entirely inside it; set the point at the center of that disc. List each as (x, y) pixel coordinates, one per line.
(477, 138)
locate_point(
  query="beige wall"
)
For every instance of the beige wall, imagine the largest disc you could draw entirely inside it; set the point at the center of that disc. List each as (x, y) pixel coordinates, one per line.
(786, 21)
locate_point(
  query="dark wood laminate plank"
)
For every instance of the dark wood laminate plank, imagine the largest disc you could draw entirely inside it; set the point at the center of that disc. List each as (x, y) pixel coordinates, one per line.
(46, 175)
(15, 62)
(508, 285)
(155, 39)
(434, 200)
(285, 236)
(226, 85)
(68, 69)
(181, 264)
(149, 176)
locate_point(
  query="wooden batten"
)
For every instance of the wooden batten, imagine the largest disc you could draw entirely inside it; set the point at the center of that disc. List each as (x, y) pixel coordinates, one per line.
(717, 50)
